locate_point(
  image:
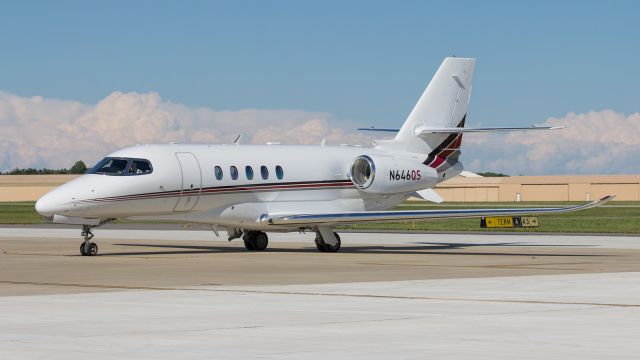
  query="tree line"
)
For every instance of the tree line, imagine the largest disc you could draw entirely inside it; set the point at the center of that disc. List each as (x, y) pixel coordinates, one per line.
(492, 174)
(78, 168)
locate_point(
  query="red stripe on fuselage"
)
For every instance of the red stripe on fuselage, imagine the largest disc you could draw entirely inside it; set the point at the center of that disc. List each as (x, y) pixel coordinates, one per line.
(227, 190)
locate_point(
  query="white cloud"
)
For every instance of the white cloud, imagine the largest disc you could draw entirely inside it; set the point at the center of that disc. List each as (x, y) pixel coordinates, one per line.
(37, 132)
(598, 142)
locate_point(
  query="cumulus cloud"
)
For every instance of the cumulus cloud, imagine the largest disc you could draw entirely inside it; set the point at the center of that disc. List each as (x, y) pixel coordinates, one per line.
(598, 142)
(37, 132)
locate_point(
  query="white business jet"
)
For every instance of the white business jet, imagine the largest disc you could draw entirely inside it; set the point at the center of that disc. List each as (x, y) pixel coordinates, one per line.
(253, 189)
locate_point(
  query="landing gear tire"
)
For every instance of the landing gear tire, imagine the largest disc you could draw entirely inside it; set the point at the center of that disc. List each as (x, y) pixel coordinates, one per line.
(261, 242)
(88, 249)
(248, 244)
(255, 240)
(324, 247)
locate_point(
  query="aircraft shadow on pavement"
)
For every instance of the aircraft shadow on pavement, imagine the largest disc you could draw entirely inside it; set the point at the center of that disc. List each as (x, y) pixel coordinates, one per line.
(420, 248)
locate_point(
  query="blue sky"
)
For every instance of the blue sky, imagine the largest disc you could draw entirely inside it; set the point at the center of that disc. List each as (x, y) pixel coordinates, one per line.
(361, 61)
(134, 72)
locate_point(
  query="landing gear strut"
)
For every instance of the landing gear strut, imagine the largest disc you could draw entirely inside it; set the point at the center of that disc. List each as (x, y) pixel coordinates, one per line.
(88, 248)
(327, 241)
(255, 240)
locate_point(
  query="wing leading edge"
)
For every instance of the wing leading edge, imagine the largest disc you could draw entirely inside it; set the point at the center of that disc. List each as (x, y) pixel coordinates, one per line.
(371, 216)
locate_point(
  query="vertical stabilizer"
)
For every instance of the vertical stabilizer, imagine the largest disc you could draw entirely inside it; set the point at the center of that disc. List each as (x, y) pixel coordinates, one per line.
(443, 104)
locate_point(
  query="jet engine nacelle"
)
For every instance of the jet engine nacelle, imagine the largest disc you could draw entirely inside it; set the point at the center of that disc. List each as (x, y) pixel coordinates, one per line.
(391, 174)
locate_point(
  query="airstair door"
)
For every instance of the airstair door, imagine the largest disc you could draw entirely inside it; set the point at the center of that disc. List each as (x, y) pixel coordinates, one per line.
(191, 181)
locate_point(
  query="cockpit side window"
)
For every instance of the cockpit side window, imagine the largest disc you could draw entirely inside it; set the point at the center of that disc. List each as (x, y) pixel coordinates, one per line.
(110, 166)
(138, 167)
(122, 166)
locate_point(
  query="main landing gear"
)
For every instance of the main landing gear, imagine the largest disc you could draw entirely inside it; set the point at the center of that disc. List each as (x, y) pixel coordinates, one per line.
(88, 248)
(255, 240)
(327, 240)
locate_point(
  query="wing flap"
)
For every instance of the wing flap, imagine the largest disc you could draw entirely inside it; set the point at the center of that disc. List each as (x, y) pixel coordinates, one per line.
(382, 216)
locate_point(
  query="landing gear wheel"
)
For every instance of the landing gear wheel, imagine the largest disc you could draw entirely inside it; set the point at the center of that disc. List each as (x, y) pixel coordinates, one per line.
(255, 240)
(261, 241)
(324, 247)
(249, 245)
(89, 249)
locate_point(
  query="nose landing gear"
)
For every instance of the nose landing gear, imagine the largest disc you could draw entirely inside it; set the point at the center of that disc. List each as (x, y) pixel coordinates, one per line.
(88, 248)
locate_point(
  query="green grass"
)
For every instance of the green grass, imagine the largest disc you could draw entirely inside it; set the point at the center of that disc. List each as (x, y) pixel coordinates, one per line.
(19, 213)
(616, 217)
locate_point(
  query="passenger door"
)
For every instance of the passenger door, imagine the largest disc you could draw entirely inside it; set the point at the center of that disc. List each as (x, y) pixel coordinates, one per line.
(191, 181)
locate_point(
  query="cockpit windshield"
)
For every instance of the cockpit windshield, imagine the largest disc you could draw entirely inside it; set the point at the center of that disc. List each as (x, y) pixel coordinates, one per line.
(122, 167)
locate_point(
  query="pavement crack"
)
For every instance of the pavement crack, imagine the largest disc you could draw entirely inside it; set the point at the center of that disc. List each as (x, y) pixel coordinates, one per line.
(329, 294)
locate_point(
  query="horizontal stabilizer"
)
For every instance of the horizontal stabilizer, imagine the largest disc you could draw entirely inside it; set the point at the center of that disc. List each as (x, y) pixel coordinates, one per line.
(431, 130)
(378, 129)
(454, 130)
(378, 216)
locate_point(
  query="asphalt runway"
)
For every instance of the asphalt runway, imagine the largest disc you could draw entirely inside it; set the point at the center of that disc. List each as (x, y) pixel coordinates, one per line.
(176, 294)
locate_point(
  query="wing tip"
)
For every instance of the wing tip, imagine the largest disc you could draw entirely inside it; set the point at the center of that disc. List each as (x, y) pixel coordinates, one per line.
(605, 199)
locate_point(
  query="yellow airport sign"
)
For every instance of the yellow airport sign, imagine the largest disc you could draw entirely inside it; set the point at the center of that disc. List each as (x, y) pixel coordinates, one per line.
(509, 221)
(499, 222)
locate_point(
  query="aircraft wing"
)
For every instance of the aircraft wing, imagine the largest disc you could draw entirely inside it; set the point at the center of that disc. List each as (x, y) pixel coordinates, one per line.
(380, 216)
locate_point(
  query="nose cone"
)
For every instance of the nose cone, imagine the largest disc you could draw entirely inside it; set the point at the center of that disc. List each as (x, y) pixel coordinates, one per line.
(45, 206)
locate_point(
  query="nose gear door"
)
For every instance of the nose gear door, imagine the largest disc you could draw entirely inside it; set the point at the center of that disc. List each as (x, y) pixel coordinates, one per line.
(191, 181)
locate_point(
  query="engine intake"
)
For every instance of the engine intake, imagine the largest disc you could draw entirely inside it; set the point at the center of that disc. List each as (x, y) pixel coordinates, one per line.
(385, 174)
(363, 171)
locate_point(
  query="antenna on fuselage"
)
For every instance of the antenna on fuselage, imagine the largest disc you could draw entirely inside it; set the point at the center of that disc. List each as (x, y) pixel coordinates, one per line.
(237, 140)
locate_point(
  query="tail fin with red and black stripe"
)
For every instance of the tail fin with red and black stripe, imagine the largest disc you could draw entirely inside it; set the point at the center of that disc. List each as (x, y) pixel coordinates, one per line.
(443, 105)
(436, 124)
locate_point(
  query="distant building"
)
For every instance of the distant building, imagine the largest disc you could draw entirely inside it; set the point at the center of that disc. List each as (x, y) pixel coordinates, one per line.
(540, 188)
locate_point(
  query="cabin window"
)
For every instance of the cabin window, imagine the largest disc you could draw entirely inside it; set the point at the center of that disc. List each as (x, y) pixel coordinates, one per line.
(121, 166)
(279, 172)
(234, 172)
(218, 172)
(264, 172)
(248, 170)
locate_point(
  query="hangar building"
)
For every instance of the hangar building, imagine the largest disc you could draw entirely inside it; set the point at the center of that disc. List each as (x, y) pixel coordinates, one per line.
(540, 188)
